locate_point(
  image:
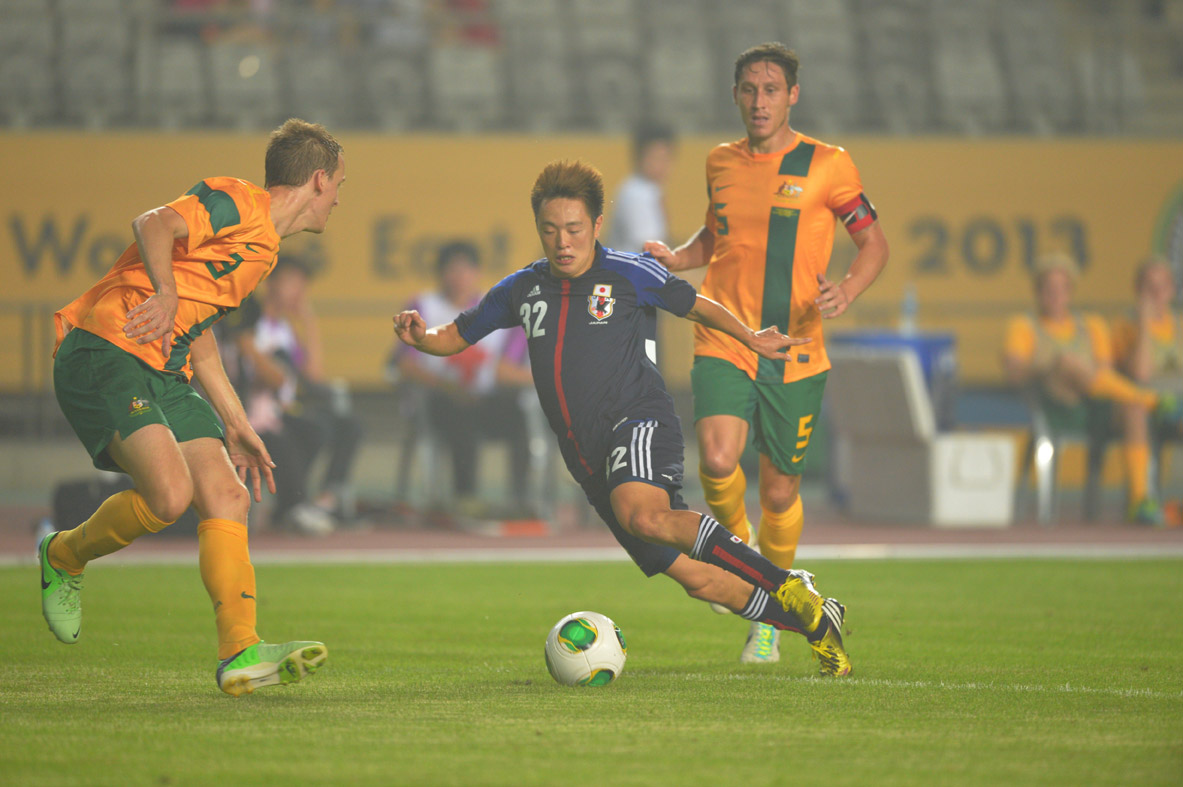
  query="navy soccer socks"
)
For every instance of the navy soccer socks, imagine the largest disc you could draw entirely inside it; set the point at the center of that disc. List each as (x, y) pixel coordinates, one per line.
(716, 545)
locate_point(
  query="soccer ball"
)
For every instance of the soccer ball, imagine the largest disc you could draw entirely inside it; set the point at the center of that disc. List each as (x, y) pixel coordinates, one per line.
(585, 649)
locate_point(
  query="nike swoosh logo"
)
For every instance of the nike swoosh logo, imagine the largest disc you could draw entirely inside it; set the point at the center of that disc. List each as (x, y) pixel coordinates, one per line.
(720, 188)
(798, 458)
(76, 633)
(44, 584)
(245, 595)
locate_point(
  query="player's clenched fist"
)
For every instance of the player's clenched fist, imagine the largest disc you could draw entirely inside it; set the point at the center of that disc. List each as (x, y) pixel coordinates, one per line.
(410, 328)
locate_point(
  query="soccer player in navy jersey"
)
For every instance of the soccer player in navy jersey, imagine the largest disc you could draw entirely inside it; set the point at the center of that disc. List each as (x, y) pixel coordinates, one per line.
(589, 314)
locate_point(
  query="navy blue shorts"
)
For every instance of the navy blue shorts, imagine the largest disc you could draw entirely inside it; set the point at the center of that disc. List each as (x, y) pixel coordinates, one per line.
(650, 452)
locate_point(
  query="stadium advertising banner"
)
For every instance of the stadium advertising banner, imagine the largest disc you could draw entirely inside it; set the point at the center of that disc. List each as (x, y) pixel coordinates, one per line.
(964, 218)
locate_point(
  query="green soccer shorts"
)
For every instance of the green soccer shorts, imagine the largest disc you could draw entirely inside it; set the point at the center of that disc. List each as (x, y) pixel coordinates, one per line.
(781, 415)
(104, 391)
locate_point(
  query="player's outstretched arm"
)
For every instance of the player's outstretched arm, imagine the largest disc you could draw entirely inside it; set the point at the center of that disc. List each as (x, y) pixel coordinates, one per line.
(868, 263)
(155, 232)
(246, 448)
(694, 253)
(411, 330)
(769, 343)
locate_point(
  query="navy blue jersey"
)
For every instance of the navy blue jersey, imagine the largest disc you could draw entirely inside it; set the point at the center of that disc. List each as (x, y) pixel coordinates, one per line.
(593, 345)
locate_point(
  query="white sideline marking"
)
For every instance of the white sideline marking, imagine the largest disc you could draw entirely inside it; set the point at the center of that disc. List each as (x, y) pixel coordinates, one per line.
(616, 554)
(1018, 688)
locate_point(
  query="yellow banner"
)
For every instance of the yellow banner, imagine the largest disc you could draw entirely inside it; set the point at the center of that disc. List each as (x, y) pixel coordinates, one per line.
(964, 219)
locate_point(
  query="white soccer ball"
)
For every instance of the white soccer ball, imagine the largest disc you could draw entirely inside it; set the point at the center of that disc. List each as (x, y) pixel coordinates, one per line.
(585, 649)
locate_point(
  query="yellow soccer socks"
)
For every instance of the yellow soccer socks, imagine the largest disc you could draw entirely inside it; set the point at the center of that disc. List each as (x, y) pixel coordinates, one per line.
(121, 519)
(779, 533)
(229, 579)
(1137, 461)
(725, 498)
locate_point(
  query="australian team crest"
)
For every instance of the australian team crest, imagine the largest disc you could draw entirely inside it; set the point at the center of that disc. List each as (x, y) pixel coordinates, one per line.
(599, 303)
(138, 406)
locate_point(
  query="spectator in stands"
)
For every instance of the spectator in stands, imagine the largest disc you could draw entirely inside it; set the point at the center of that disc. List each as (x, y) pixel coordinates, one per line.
(473, 395)
(1064, 358)
(292, 405)
(638, 213)
(1148, 346)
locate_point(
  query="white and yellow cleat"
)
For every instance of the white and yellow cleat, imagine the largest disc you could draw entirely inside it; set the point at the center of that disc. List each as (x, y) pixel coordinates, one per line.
(827, 644)
(763, 645)
(269, 665)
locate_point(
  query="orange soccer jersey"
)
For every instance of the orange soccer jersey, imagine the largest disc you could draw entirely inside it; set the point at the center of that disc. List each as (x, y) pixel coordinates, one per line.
(772, 216)
(231, 247)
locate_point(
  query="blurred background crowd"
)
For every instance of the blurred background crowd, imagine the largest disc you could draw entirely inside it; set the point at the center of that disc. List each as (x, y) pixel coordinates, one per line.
(1026, 158)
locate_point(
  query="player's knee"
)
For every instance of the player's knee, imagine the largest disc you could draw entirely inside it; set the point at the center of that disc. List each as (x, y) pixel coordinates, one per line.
(717, 463)
(227, 499)
(169, 503)
(647, 524)
(779, 498)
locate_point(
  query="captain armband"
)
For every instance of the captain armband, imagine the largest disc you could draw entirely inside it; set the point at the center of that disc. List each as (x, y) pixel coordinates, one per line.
(858, 214)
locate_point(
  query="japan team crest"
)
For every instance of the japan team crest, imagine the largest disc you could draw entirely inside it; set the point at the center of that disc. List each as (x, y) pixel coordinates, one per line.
(599, 303)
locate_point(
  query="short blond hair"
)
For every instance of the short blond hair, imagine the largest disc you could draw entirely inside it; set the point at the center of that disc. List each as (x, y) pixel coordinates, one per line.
(296, 150)
(572, 180)
(1054, 261)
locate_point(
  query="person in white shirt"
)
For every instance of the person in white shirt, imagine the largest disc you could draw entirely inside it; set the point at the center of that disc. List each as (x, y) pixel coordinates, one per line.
(638, 213)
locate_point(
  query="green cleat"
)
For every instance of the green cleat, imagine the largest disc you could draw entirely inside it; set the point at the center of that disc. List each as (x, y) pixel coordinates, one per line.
(1146, 512)
(269, 665)
(61, 597)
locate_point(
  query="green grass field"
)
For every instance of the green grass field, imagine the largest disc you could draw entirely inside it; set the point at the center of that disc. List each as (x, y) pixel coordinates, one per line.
(966, 672)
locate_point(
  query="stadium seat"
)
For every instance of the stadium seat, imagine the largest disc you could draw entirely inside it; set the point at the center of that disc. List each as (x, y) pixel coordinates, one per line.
(466, 87)
(392, 91)
(892, 462)
(898, 52)
(1044, 92)
(967, 77)
(537, 57)
(824, 36)
(172, 83)
(320, 88)
(27, 90)
(245, 85)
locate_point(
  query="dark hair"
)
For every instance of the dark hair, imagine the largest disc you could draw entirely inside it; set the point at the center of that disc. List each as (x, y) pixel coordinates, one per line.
(646, 135)
(296, 150)
(573, 180)
(454, 251)
(773, 52)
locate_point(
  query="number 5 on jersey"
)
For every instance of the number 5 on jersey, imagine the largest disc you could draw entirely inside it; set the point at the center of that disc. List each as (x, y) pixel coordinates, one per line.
(535, 328)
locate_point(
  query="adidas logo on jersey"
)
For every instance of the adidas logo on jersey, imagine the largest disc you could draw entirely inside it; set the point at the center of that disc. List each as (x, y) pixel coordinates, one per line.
(536, 291)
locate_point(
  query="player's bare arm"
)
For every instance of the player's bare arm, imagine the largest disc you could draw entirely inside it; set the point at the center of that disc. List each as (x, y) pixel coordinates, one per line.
(768, 343)
(411, 330)
(155, 232)
(246, 448)
(694, 253)
(868, 263)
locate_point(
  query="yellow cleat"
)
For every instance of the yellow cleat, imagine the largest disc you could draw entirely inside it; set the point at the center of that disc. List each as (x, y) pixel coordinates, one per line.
(797, 596)
(828, 648)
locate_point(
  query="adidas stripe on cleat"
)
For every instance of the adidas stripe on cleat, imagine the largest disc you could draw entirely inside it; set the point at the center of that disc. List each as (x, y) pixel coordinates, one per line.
(827, 644)
(269, 665)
